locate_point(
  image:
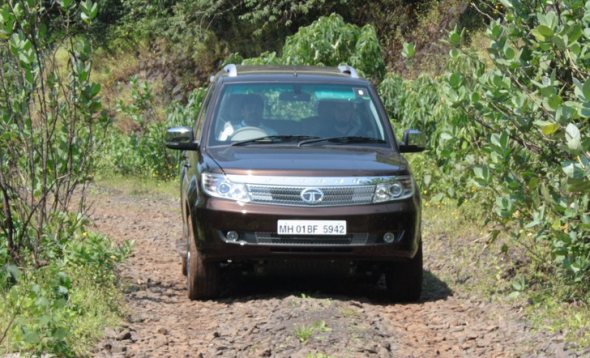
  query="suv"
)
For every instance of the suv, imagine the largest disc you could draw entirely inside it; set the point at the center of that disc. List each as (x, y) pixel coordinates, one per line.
(297, 165)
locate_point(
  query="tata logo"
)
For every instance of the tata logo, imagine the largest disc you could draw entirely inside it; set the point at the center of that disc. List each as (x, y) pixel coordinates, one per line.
(312, 195)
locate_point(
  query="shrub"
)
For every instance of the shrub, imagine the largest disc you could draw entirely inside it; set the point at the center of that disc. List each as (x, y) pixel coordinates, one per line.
(330, 41)
(142, 152)
(516, 132)
(62, 307)
(49, 114)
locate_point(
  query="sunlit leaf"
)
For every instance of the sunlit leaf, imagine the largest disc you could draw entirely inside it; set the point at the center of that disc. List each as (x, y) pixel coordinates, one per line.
(542, 32)
(548, 128)
(572, 136)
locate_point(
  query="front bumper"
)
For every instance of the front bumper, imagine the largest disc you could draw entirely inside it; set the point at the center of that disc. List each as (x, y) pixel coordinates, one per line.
(256, 225)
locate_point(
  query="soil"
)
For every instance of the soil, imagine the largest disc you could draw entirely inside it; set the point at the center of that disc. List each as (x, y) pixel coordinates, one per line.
(291, 317)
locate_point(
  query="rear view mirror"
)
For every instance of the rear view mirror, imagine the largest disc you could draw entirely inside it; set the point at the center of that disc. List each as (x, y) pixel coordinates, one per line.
(414, 141)
(294, 97)
(181, 138)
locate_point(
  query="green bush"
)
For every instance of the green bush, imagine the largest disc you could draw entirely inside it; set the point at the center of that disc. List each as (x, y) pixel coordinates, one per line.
(417, 104)
(61, 308)
(516, 133)
(50, 113)
(142, 152)
(329, 41)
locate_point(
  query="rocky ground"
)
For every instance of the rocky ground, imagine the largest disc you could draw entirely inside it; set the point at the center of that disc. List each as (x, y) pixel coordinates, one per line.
(288, 317)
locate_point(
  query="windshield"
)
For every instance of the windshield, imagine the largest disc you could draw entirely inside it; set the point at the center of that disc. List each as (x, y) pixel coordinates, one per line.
(293, 112)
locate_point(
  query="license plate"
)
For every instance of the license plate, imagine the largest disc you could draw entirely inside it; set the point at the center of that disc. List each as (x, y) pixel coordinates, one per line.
(311, 227)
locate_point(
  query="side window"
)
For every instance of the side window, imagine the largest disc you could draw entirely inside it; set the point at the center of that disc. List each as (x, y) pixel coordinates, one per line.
(203, 113)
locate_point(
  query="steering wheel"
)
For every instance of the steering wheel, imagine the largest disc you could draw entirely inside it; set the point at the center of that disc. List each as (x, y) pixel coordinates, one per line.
(247, 133)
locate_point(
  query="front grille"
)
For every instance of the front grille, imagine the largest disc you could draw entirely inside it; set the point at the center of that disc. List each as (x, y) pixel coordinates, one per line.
(291, 195)
(272, 238)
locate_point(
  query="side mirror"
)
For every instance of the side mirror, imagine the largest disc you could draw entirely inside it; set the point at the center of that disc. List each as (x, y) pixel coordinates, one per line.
(414, 141)
(181, 138)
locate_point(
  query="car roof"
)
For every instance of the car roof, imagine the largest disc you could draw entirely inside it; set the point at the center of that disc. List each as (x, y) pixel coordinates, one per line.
(340, 74)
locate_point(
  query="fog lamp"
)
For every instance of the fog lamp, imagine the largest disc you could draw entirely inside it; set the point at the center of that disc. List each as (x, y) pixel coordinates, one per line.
(389, 237)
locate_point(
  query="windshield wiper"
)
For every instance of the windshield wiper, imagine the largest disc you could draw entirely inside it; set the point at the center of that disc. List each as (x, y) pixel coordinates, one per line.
(342, 140)
(271, 139)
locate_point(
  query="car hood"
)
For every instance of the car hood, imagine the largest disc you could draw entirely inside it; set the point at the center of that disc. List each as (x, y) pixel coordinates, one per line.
(311, 161)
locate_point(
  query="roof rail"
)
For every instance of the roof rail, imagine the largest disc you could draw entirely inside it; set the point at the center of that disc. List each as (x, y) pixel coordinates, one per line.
(349, 70)
(231, 70)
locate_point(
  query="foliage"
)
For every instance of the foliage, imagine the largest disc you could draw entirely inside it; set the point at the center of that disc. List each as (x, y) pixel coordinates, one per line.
(141, 109)
(516, 132)
(49, 112)
(233, 22)
(62, 307)
(330, 41)
(142, 152)
(305, 332)
(57, 281)
(199, 34)
(417, 104)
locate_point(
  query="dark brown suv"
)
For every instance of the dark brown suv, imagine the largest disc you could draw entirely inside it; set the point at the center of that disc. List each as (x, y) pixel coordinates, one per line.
(297, 164)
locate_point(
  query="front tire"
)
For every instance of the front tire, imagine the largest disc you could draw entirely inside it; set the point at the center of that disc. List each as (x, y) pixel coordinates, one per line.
(202, 276)
(404, 279)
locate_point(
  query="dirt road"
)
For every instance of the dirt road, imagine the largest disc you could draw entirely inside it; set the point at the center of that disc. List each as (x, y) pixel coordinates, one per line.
(283, 317)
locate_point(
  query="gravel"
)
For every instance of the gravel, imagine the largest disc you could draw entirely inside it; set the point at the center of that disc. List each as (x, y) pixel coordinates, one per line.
(290, 317)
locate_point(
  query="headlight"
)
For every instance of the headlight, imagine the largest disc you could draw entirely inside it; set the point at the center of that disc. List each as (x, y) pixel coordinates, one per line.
(217, 185)
(395, 189)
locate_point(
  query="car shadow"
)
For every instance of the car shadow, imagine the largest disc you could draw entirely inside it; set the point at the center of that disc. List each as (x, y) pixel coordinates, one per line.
(244, 288)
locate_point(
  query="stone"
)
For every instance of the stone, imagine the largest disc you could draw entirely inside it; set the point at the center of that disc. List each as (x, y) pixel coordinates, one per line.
(124, 335)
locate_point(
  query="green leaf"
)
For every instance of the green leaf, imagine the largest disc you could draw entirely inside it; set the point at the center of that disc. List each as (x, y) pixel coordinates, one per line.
(574, 33)
(507, 3)
(504, 206)
(495, 29)
(549, 19)
(60, 333)
(509, 53)
(573, 170)
(455, 37)
(586, 89)
(409, 50)
(565, 114)
(578, 186)
(542, 32)
(13, 271)
(554, 102)
(482, 172)
(455, 80)
(66, 4)
(573, 138)
(31, 337)
(548, 128)
(560, 42)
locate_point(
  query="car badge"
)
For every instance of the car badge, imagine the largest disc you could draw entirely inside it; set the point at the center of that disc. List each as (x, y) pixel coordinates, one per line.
(312, 195)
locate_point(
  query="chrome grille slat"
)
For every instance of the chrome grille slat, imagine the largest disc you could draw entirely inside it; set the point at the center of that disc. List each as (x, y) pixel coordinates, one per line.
(291, 195)
(272, 238)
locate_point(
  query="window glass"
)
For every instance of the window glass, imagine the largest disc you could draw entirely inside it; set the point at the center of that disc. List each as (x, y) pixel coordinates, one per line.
(317, 110)
(201, 118)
